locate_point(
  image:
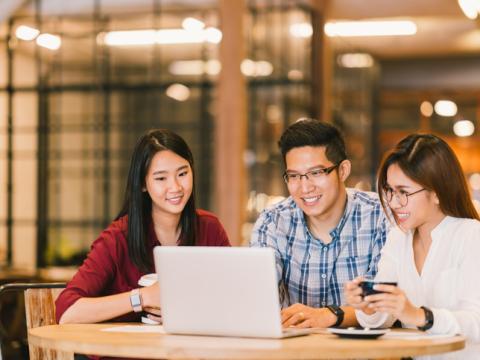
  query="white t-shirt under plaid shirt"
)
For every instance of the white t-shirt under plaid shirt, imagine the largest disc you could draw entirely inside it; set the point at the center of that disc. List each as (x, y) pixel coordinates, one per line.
(311, 272)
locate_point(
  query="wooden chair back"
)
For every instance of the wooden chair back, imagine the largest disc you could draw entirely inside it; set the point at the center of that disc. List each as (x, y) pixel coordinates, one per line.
(40, 311)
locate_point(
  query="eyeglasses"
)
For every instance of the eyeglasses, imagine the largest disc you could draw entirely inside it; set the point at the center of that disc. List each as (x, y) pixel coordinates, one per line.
(316, 174)
(401, 196)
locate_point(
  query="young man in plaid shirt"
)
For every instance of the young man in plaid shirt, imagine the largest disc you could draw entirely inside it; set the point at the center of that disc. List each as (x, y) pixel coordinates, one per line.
(323, 234)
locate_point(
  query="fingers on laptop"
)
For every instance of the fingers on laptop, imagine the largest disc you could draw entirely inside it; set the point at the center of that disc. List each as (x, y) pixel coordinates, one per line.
(294, 315)
(158, 319)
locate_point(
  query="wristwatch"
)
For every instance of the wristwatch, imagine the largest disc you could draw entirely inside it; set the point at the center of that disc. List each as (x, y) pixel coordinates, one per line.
(338, 312)
(428, 319)
(136, 300)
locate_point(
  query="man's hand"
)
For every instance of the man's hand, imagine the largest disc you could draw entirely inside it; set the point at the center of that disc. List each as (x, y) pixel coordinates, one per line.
(302, 316)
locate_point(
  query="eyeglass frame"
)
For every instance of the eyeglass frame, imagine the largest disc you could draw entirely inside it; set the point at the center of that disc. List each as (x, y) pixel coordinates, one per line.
(323, 171)
(397, 195)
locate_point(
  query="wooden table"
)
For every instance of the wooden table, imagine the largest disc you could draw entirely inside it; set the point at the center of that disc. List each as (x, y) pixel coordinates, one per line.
(89, 339)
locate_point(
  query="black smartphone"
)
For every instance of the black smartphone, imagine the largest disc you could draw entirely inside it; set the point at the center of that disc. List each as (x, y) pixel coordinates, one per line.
(367, 286)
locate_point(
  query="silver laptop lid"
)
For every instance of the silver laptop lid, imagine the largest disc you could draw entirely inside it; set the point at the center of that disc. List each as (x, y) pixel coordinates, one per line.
(218, 291)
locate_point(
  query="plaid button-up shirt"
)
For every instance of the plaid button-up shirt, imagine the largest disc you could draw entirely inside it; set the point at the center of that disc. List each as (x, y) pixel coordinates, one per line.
(311, 272)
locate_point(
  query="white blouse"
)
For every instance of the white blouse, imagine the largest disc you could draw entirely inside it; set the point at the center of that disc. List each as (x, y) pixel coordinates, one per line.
(449, 283)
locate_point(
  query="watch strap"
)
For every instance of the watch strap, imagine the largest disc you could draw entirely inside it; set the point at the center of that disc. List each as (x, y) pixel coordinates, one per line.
(136, 300)
(338, 312)
(428, 319)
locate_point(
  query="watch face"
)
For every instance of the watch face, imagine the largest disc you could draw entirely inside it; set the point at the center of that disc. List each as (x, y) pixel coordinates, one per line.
(135, 300)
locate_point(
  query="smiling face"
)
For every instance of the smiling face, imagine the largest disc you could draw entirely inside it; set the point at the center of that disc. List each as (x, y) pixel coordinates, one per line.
(169, 182)
(422, 208)
(321, 197)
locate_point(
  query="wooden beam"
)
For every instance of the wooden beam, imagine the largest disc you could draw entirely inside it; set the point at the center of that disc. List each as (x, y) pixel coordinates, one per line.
(231, 122)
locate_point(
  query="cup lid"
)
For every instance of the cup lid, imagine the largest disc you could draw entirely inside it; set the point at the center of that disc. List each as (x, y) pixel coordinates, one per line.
(148, 279)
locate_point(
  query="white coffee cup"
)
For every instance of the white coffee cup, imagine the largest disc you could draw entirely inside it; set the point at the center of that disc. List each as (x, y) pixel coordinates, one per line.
(147, 280)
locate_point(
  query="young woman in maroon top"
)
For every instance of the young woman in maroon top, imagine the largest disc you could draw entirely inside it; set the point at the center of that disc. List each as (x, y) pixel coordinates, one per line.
(159, 209)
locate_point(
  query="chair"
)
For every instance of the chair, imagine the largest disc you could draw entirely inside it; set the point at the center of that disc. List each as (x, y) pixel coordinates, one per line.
(39, 311)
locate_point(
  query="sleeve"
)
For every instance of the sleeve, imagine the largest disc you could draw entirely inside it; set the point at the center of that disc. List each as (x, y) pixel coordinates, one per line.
(264, 234)
(381, 230)
(387, 271)
(219, 234)
(92, 276)
(465, 318)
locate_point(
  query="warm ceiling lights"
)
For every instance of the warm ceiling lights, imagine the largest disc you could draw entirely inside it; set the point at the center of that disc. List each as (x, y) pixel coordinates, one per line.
(463, 128)
(192, 24)
(256, 68)
(355, 60)
(178, 92)
(445, 108)
(164, 37)
(426, 108)
(49, 41)
(471, 8)
(195, 67)
(301, 30)
(26, 33)
(370, 28)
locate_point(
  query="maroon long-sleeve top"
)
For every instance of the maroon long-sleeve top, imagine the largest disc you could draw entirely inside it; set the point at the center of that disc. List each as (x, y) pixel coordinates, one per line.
(108, 270)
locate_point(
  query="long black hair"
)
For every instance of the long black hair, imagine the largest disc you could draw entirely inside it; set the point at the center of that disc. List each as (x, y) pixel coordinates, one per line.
(137, 203)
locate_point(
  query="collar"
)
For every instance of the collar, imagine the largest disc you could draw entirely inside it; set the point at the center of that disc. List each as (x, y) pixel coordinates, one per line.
(336, 231)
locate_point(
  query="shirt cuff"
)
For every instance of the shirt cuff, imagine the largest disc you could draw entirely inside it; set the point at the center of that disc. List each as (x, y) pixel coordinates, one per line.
(375, 320)
(444, 322)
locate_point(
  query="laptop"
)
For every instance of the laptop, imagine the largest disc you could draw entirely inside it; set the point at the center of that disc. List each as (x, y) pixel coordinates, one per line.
(220, 291)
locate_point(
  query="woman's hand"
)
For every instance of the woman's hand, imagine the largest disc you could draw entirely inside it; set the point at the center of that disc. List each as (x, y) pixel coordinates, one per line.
(393, 301)
(151, 296)
(154, 314)
(353, 296)
(151, 302)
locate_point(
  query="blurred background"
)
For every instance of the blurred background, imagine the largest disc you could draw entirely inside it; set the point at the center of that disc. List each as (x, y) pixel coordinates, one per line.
(80, 80)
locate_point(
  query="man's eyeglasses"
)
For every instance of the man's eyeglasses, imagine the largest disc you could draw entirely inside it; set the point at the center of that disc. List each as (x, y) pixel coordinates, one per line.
(401, 196)
(315, 174)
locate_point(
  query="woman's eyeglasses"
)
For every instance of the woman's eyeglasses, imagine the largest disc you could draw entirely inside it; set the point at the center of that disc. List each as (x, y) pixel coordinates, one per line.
(401, 196)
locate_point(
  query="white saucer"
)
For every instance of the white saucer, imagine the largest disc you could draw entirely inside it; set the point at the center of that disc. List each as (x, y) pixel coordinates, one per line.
(364, 333)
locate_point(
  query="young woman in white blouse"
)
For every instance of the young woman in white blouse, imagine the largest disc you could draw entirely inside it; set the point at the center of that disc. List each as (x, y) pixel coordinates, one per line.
(434, 251)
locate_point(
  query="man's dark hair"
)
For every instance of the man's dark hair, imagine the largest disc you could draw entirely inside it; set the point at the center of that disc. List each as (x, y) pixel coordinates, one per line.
(312, 132)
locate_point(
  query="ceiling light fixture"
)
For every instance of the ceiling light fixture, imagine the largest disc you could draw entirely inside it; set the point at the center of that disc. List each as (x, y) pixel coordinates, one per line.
(164, 37)
(192, 24)
(49, 41)
(470, 8)
(194, 67)
(27, 33)
(256, 68)
(370, 28)
(445, 108)
(301, 30)
(463, 128)
(355, 60)
(178, 92)
(426, 108)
